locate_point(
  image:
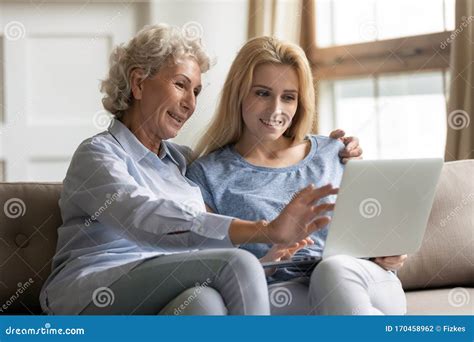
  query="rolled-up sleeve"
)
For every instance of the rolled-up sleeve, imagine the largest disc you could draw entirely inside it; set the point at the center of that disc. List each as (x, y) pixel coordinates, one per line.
(99, 184)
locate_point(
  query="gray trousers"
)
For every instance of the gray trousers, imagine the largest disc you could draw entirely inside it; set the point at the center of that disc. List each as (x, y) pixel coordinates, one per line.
(208, 282)
(340, 285)
(231, 281)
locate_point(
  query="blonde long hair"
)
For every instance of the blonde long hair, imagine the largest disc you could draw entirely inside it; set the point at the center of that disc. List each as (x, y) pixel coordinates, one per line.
(227, 125)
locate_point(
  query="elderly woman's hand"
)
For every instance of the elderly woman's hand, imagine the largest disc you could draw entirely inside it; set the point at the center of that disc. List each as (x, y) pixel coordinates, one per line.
(301, 217)
(279, 252)
(283, 252)
(352, 149)
(391, 263)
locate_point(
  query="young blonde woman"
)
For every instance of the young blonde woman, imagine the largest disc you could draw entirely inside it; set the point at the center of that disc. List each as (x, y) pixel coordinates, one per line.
(255, 156)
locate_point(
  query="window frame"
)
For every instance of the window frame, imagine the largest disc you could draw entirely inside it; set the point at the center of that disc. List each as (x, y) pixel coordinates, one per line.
(405, 54)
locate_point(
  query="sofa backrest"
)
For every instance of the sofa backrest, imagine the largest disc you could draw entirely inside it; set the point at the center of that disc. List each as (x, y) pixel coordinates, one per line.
(446, 258)
(29, 218)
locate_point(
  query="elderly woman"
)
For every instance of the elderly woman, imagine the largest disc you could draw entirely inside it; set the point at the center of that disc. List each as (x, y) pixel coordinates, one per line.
(136, 237)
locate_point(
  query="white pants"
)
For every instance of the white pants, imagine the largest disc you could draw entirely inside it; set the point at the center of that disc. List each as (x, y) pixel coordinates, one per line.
(340, 285)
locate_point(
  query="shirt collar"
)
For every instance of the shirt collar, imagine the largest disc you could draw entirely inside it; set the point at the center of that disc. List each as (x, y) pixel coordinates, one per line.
(127, 140)
(165, 151)
(132, 145)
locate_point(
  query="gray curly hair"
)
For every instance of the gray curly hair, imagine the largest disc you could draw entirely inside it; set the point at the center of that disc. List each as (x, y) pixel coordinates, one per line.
(148, 50)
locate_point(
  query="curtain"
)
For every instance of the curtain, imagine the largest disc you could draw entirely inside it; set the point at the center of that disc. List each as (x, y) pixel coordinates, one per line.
(292, 20)
(460, 125)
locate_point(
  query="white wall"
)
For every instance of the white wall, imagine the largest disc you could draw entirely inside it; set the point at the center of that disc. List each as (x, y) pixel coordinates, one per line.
(35, 83)
(224, 30)
(53, 55)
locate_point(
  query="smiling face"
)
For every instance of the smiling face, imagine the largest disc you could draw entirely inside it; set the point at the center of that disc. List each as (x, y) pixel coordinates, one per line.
(271, 104)
(168, 99)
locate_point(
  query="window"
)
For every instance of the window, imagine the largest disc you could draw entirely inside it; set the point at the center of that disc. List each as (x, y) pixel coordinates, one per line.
(395, 116)
(342, 22)
(382, 73)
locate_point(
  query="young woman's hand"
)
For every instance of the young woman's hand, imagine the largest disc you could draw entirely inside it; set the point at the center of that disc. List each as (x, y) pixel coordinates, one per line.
(391, 263)
(301, 217)
(352, 149)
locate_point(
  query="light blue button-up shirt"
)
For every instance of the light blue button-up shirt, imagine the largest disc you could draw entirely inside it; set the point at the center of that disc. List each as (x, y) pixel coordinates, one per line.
(122, 204)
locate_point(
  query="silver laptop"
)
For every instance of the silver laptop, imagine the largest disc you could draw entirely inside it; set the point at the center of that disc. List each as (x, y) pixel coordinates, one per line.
(383, 207)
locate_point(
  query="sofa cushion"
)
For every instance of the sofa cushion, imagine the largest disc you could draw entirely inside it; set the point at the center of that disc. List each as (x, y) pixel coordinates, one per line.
(446, 257)
(455, 301)
(28, 235)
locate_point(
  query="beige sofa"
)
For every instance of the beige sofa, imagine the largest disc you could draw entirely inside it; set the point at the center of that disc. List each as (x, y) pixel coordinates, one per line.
(439, 279)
